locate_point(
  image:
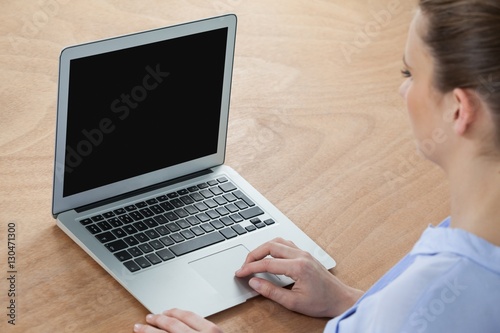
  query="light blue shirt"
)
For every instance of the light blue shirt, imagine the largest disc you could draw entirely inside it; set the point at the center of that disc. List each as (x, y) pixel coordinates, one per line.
(449, 282)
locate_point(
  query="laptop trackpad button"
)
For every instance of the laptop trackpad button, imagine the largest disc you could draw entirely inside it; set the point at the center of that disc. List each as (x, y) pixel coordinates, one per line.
(218, 270)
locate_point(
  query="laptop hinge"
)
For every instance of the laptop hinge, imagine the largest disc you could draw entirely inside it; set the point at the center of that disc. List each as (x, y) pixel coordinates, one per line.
(142, 190)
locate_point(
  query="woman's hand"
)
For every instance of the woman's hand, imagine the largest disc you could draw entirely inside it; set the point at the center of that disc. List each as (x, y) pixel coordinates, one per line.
(316, 291)
(175, 320)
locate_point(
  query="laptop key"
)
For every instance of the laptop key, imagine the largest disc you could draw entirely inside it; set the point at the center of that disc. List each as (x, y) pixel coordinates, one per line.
(165, 254)
(183, 191)
(136, 216)
(160, 219)
(123, 255)
(93, 229)
(203, 217)
(171, 216)
(153, 258)
(243, 197)
(181, 212)
(193, 220)
(197, 197)
(250, 228)
(239, 229)
(162, 198)
(143, 262)
(177, 203)
(202, 186)
(173, 227)
(222, 179)
(146, 212)
(151, 223)
(156, 209)
(167, 241)
(108, 214)
(97, 218)
(104, 226)
(216, 190)
(115, 222)
(151, 201)
(131, 241)
(183, 224)
(132, 266)
(152, 234)
(119, 211)
(207, 227)
(162, 231)
(140, 226)
(269, 221)
(141, 237)
(130, 208)
(146, 248)
(105, 237)
(232, 208)
(125, 218)
(197, 231)
(156, 244)
(217, 224)
(187, 199)
(177, 237)
(172, 195)
(197, 243)
(130, 229)
(191, 210)
(236, 218)
(167, 206)
(119, 232)
(251, 212)
(188, 234)
(116, 245)
(260, 225)
(135, 251)
(228, 233)
(86, 221)
(227, 221)
(227, 187)
(230, 197)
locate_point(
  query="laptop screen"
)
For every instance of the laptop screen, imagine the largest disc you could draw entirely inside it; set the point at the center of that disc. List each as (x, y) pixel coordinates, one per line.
(143, 108)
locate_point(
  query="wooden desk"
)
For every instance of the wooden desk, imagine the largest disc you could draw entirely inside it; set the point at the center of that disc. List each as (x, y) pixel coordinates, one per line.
(316, 125)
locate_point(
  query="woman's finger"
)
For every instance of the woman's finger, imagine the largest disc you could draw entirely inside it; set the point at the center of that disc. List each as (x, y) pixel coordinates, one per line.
(267, 265)
(167, 323)
(277, 248)
(192, 320)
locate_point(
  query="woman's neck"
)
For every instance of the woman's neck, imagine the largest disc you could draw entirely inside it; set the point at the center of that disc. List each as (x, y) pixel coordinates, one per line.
(475, 198)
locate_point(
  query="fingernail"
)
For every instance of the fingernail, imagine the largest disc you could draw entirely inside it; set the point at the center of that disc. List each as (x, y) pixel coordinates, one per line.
(149, 317)
(237, 272)
(137, 327)
(254, 283)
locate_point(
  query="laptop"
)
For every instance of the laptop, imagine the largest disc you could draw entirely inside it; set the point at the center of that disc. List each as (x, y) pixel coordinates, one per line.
(140, 182)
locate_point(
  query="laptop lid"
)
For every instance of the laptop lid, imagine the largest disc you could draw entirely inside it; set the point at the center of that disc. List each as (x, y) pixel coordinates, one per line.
(141, 109)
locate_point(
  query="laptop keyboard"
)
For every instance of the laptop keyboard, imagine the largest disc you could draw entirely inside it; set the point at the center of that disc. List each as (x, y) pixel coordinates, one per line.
(159, 229)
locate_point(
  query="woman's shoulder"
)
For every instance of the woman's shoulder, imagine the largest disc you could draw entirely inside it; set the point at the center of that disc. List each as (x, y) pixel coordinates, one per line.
(442, 247)
(440, 293)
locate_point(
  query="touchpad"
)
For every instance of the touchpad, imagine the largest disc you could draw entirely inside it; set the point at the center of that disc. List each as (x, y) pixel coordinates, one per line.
(218, 270)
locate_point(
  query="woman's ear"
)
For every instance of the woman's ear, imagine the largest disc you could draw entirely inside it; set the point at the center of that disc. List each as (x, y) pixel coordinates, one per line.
(467, 104)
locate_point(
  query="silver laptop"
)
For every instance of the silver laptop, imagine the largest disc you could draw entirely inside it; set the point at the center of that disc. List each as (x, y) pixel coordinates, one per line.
(140, 182)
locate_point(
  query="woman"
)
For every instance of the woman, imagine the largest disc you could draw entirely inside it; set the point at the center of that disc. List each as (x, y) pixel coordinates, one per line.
(450, 281)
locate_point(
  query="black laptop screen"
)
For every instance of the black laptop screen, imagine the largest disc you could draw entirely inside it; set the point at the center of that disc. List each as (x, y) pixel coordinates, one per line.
(142, 109)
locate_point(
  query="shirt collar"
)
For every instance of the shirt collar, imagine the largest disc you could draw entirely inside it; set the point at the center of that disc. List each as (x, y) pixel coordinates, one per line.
(443, 239)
